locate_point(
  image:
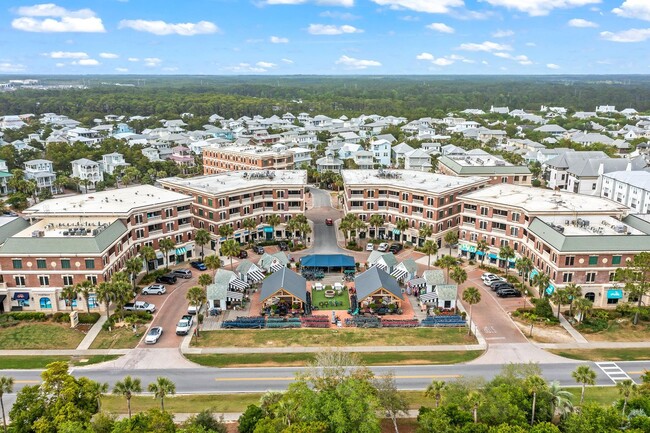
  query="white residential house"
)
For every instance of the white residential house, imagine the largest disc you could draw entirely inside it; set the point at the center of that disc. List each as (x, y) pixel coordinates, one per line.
(85, 169)
(417, 159)
(111, 161)
(5, 175)
(329, 163)
(42, 171)
(84, 135)
(400, 150)
(11, 122)
(381, 151)
(364, 159)
(631, 188)
(301, 156)
(606, 109)
(151, 153)
(554, 130)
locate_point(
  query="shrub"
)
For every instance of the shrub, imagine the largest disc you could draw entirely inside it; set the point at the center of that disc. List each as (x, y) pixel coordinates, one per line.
(61, 317)
(7, 321)
(151, 276)
(31, 316)
(543, 308)
(491, 269)
(472, 262)
(89, 318)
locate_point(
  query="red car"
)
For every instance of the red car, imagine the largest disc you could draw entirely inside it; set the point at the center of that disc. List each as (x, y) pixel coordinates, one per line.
(329, 222)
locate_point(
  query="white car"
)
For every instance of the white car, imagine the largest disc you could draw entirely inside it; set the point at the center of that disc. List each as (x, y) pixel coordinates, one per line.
(153, 335)
(487, 275)
(370, 247)
(154, 289)
(489, 281)
(383, 247)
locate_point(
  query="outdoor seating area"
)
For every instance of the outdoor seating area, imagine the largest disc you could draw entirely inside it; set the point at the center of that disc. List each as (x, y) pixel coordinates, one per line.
(451, 321)
(243, 322)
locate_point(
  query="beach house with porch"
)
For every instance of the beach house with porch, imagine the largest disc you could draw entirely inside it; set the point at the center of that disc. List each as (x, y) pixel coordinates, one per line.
(249, 273)
(273, 262)
(226, 290)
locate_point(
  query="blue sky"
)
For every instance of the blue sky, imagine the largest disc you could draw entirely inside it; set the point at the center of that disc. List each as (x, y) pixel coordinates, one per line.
(226, 37)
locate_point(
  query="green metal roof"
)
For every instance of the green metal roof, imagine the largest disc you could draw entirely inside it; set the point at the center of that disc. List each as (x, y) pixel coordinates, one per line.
(589, 243)
(473, 170)
(69, 244)
(5, 174)
(12, 226)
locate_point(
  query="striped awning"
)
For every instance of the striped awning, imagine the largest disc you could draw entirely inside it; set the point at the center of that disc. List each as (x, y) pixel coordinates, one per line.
(237, 284)
(234, 296)
(381, 266)
(428, 297)
(399, 274)
(255, 276)
(180, 251)
(417, 282)
(276, 267)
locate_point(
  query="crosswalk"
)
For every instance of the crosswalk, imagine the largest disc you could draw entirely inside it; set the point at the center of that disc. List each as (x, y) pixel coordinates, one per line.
(613, 371)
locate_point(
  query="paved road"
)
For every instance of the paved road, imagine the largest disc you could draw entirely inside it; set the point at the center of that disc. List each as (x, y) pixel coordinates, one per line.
(324, 236)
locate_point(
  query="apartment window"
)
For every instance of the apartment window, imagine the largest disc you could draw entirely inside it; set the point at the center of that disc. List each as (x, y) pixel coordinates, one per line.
(210, 202)
(138, 219)
(515, 216)
(616, 260)
(211, 215)
(41, 264)
(569, 261)
(593, 260)
(92, 279)
(484, 211)
(612, 301)
(68, 280)
(590, 277)
(482, 225)
(90, 264)
(200, 212)
(20, 280)
(567, 277)
(199, 200)
(139, 233)
(405, 196)
(65, 263)
(179, 239)
(18, 263)
(169, 213)
(44, 280)
(612, 276)
(473, 237)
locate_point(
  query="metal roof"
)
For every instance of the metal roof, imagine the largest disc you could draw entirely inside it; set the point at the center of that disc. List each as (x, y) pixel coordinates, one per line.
(374, 279)
(284, 279)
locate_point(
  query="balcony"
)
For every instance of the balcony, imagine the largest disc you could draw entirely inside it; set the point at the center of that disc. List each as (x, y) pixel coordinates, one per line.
(184, 226)
(153, 217)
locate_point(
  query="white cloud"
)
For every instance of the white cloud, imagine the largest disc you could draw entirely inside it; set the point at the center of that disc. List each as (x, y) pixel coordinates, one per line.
(531, 44)
(66, 55)
(352, 63)
(108, 55)
(502, 33)
(245, 67)
(579, 22)
(60, 65)
(487, 46)
(265, 65)
(441, 27)
(346, 16)
(50, 18)
(11, 67)
(343, 3)
(86, 62)
(133, 59)
(552, 66)
(424, 56)
(325, 29)
(288, 61)
(631, 35)
(152, 61)
(428, 6)
(162, 28)
(634, 9)
(442, 61)
(521, 59)
(278, 40)
(121, 70)
(540, 7)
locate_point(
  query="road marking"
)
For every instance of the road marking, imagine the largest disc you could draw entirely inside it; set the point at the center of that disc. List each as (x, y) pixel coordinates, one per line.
(489, 330)
(245, 379)
(495, 338)
(613, 371)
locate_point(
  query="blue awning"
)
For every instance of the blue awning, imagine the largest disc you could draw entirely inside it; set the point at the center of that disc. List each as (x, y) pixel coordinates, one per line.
(268, 229)
(396, 232)
(550, 289)
(480, 253)
(492, 256)
(237, 235)
(328, 261)
(615, 294)
(20, 296)
(180, 251)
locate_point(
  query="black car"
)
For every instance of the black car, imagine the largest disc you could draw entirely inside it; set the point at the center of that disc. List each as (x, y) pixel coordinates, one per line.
(502, 285)
(198, 265)
(495, 284)
(395, 248)
(283, 246)
(243, 254)
(166, 279)
(258, 249)
(508, 292)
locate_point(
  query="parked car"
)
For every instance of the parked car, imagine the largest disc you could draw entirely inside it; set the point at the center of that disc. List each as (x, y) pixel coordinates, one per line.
(166, 279)
(153, 335)
(242, 254)
(396, 248)
(370, 247)
(154, 289)
(283, 246)
(140, 306)
(383, 247)
(329, 222)
(182, 273)
(258, 249)
(501, 285)
(508, 292)
(184, 325)
(193, 309)
(490, 281)
(198, 265)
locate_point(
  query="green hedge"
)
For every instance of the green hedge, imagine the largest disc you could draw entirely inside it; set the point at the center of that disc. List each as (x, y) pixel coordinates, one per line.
(151, 276)
(31, 316)
(88, 318)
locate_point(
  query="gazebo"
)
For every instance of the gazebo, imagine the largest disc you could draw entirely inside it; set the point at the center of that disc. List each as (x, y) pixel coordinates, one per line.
(375, 286)
(284, 289)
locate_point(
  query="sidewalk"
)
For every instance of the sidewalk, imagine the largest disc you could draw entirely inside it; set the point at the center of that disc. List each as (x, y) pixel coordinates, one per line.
(597, 345)
(65, 352)
(578, 337)
(92, 334)
(314, 349)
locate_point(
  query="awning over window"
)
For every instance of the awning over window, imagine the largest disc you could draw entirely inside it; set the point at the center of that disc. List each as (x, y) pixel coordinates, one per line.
(238, 284)
(159, 255)
(20, 296)
(398, 274)
(255, 276)
(181, 251)
(428, 297)
(615, 294)
(268, 229)
(396, 232)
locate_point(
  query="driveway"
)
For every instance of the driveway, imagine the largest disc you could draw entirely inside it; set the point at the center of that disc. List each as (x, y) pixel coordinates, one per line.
(324, 236)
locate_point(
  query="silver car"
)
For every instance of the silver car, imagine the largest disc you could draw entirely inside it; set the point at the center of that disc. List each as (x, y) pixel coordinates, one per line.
(153, 335)
(154, 289)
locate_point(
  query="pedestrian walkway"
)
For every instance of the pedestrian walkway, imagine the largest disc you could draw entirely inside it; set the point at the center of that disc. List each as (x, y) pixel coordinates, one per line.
(92, 333)
(314, 349)
(578, 337)
(613, 371)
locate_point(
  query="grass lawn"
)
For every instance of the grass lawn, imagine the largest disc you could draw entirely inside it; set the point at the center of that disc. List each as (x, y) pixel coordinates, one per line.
(602, 395)
(40, 362)
(333, 337)
(40, 336)
(318, 297)
(604, 354)
(119, 338)
(302, 359)
(623, 331)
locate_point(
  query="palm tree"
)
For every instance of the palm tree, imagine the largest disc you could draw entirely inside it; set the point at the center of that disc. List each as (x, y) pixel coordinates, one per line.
(446, 262)
(573, 291)
(166, 245)
(100, 389)
(161, 388)
(525, 266)
(6, 387)
(434, 390)
(249, 224)
(147, 254)
(425, 231)
(273, 220)
(69, 293)
(474, 398)
(402, 226)
(506, 253)
(127, 387)
(560, 400)
(230, 249)
(451, 239)
(213, 263)
(583, 306)
(196, 296)
(376, 221)
(458, 275)
(105, 295)
(472, 296)
(85, 288)
(133, 267)
(560, 297)
(429, 248)
(541, 281)
(483, 247)
(205, 280)
(626, 388)
(584, 375)
(202, 238)
(535, 385)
